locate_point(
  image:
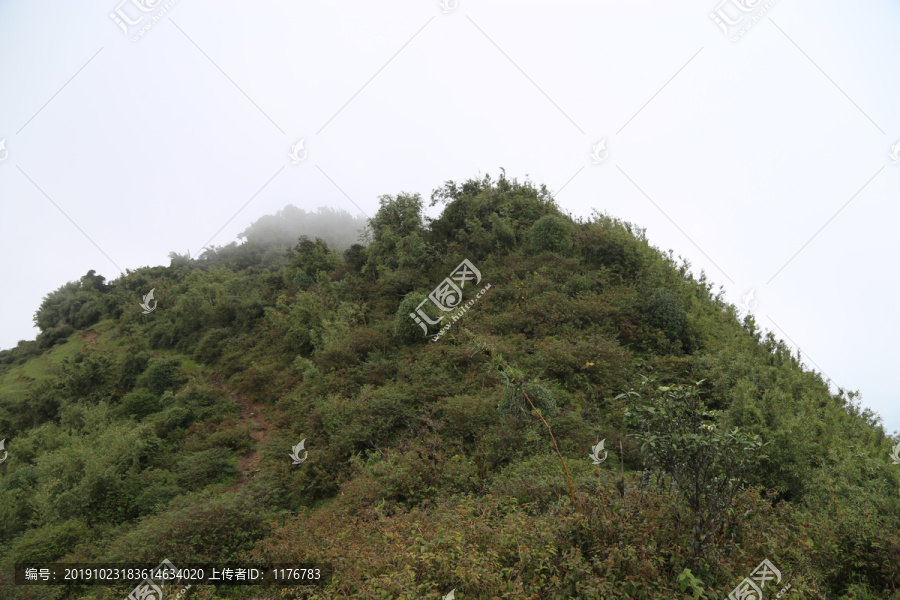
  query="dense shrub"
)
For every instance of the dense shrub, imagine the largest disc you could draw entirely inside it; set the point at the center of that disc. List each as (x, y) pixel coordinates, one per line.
(50, 542)
(89, 376)
(310, 257)
(139, 404)
(211, 346)
(155, 488)
(709, 465)
(196, 528)
(51, 337)
(355, 256)
(160, 375)
(405, 327)
(199, 469)
(131, 367)
(550, 233)
(305, 322)
(665, 311)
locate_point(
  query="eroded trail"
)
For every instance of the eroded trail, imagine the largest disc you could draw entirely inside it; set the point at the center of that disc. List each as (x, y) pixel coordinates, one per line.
(252, 418)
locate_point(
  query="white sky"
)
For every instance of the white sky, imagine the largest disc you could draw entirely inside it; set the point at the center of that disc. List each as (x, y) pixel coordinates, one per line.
(736, 155)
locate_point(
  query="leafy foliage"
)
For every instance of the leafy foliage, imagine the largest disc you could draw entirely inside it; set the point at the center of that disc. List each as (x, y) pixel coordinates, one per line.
(550, 233)
(665, 312)
(405, 328)
(708, 465)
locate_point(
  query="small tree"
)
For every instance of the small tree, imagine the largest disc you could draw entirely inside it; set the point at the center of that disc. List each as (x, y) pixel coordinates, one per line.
(161, 375)
(550, 233)
(355, 257)
(405, 327)
(515, 382)
(311, 256)
(708, 465)
(666, 312)
(398, 233)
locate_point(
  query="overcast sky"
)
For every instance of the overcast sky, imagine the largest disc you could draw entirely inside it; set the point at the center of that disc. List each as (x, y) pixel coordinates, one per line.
(764, 159)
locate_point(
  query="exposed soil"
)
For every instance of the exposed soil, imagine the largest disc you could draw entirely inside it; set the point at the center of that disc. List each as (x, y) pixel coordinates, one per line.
(252, 418)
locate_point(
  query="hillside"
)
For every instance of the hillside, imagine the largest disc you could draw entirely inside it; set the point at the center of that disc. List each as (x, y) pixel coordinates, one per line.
(459, 461)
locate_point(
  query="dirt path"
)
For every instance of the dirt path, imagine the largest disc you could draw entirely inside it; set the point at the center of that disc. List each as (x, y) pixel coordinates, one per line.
(252, 418)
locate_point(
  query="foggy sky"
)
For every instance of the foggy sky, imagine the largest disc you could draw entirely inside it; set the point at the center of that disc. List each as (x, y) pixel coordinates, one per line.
(763, 161)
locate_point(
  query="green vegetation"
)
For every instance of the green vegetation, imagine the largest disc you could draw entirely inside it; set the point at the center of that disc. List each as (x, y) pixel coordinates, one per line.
(461, 463)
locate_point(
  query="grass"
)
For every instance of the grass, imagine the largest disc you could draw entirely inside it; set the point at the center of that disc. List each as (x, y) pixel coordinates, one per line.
(17, 380)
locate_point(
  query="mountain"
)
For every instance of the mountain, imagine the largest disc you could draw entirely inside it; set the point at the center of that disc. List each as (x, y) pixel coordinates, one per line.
(501, 402)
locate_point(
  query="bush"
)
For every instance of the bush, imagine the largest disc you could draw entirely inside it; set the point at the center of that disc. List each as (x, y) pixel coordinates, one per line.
(51, 337)
(198, 528)
(134, 364)
(50, 542)
(708, 464)
(577, 284)
(409, 476)
(514, 401)
(665, 311)
(249, 312)
(305, 323)
(172, 422)
(503, 231)
(405, 328)
(139, 404)
(199, 469)
(313, 256)
(210, 347)
(87, 377)
(355, 256)
(157, 487)
(550, 233)
(160, 376)
(16, 506)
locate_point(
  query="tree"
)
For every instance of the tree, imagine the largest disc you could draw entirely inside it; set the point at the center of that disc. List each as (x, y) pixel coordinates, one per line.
(355, 257)
(405, 327)
(708, 464)
(483, 216)
(666, 312)
(398, 253)
(93, 282)
(314, 256)
(550, 233)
